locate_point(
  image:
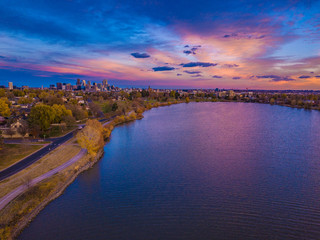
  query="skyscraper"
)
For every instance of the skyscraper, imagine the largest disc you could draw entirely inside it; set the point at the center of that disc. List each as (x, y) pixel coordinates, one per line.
(10, 85)
(59, 85)
(105, 82)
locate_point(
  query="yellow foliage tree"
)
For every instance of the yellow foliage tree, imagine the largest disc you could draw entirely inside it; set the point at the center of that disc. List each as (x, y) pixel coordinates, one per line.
(4, 108)
(91, 137)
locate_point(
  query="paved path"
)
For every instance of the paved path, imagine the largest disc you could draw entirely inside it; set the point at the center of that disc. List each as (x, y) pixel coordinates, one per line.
(16, 192)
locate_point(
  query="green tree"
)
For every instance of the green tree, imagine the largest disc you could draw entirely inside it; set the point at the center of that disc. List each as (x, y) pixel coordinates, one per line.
(42, 115)
(4, 108)
(114, 107)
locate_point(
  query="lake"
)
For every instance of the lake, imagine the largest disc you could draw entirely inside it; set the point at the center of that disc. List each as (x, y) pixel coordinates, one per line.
(197, 171)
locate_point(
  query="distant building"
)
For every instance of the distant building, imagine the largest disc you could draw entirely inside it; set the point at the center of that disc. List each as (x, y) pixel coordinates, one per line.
(78, 82)
(105, 82)
(83, 83)
(68, 87)
(59, 85)
(10, 85)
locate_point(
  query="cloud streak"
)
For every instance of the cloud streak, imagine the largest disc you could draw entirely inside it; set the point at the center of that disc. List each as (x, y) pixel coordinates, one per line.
(140, 55)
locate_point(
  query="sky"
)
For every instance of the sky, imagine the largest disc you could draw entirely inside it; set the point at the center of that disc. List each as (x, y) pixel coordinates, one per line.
(162, 43)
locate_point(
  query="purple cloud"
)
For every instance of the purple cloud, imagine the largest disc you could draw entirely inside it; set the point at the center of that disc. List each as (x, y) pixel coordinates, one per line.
(164, 68)
(304, 76)
(198, 75)
(236, 78)
(140, 55)
(198, 64)
(188, 52)
(216, 76)
(231, 65)
(276, 78)
(192, 72)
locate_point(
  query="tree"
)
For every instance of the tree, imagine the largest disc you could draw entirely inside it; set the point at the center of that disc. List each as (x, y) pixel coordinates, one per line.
(23, 128)
(69, 120)
(90, 137)
(114, 107)
(42, 115)
(60, 112)
(95, 109)
(4, 108)
(187, 100)
(172, 93)
(77, 112)
(272, 101)
(2, 92)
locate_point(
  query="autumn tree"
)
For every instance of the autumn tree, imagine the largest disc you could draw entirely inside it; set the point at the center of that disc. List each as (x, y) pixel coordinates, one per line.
(77, 112)
(2, 92)
(4, 108)
(91, 137)
(95, 109)
(42, 115)
(60, 111)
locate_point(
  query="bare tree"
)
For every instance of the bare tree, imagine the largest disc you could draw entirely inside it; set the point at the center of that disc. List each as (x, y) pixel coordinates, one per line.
(23, 128)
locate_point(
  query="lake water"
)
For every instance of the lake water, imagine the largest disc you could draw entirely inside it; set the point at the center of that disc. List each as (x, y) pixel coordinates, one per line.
(197, 171)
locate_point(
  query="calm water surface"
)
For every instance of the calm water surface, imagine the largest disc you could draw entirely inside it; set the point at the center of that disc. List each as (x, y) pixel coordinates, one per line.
(198, 171)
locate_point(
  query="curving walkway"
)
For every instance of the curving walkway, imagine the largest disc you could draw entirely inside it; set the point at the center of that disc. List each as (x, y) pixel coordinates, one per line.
(16, 192)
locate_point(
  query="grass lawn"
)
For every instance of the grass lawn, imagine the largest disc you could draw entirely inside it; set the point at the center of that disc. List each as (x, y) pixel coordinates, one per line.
(12, 153)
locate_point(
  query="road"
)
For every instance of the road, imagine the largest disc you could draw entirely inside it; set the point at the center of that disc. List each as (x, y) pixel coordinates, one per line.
(55, 142)
(16, 192)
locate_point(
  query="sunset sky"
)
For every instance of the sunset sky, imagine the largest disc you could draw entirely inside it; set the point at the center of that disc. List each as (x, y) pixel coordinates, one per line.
(176, 44)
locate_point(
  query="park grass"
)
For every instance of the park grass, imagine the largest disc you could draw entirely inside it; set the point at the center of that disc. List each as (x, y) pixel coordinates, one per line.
(52, 160)
(12, 153)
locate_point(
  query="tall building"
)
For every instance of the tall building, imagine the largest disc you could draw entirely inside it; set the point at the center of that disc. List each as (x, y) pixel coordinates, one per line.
(78, 82)
(59, 85)
(83, 83)
(105, 82)
(10, 85)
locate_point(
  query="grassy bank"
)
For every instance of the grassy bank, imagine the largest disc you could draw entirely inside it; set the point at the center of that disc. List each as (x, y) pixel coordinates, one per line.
(12, 153)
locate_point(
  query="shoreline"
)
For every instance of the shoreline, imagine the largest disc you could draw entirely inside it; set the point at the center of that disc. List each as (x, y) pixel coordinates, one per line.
(57, 193)
(25, 220)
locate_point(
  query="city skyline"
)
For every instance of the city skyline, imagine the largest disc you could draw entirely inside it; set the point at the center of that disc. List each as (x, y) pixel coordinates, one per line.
(230, 44)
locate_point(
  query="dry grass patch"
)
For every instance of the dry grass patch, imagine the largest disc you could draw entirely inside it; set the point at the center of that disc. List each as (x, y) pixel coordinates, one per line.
(12, 153)
(52, 160)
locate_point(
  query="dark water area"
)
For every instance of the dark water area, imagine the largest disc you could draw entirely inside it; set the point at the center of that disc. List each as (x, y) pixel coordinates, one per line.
(197, 171)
